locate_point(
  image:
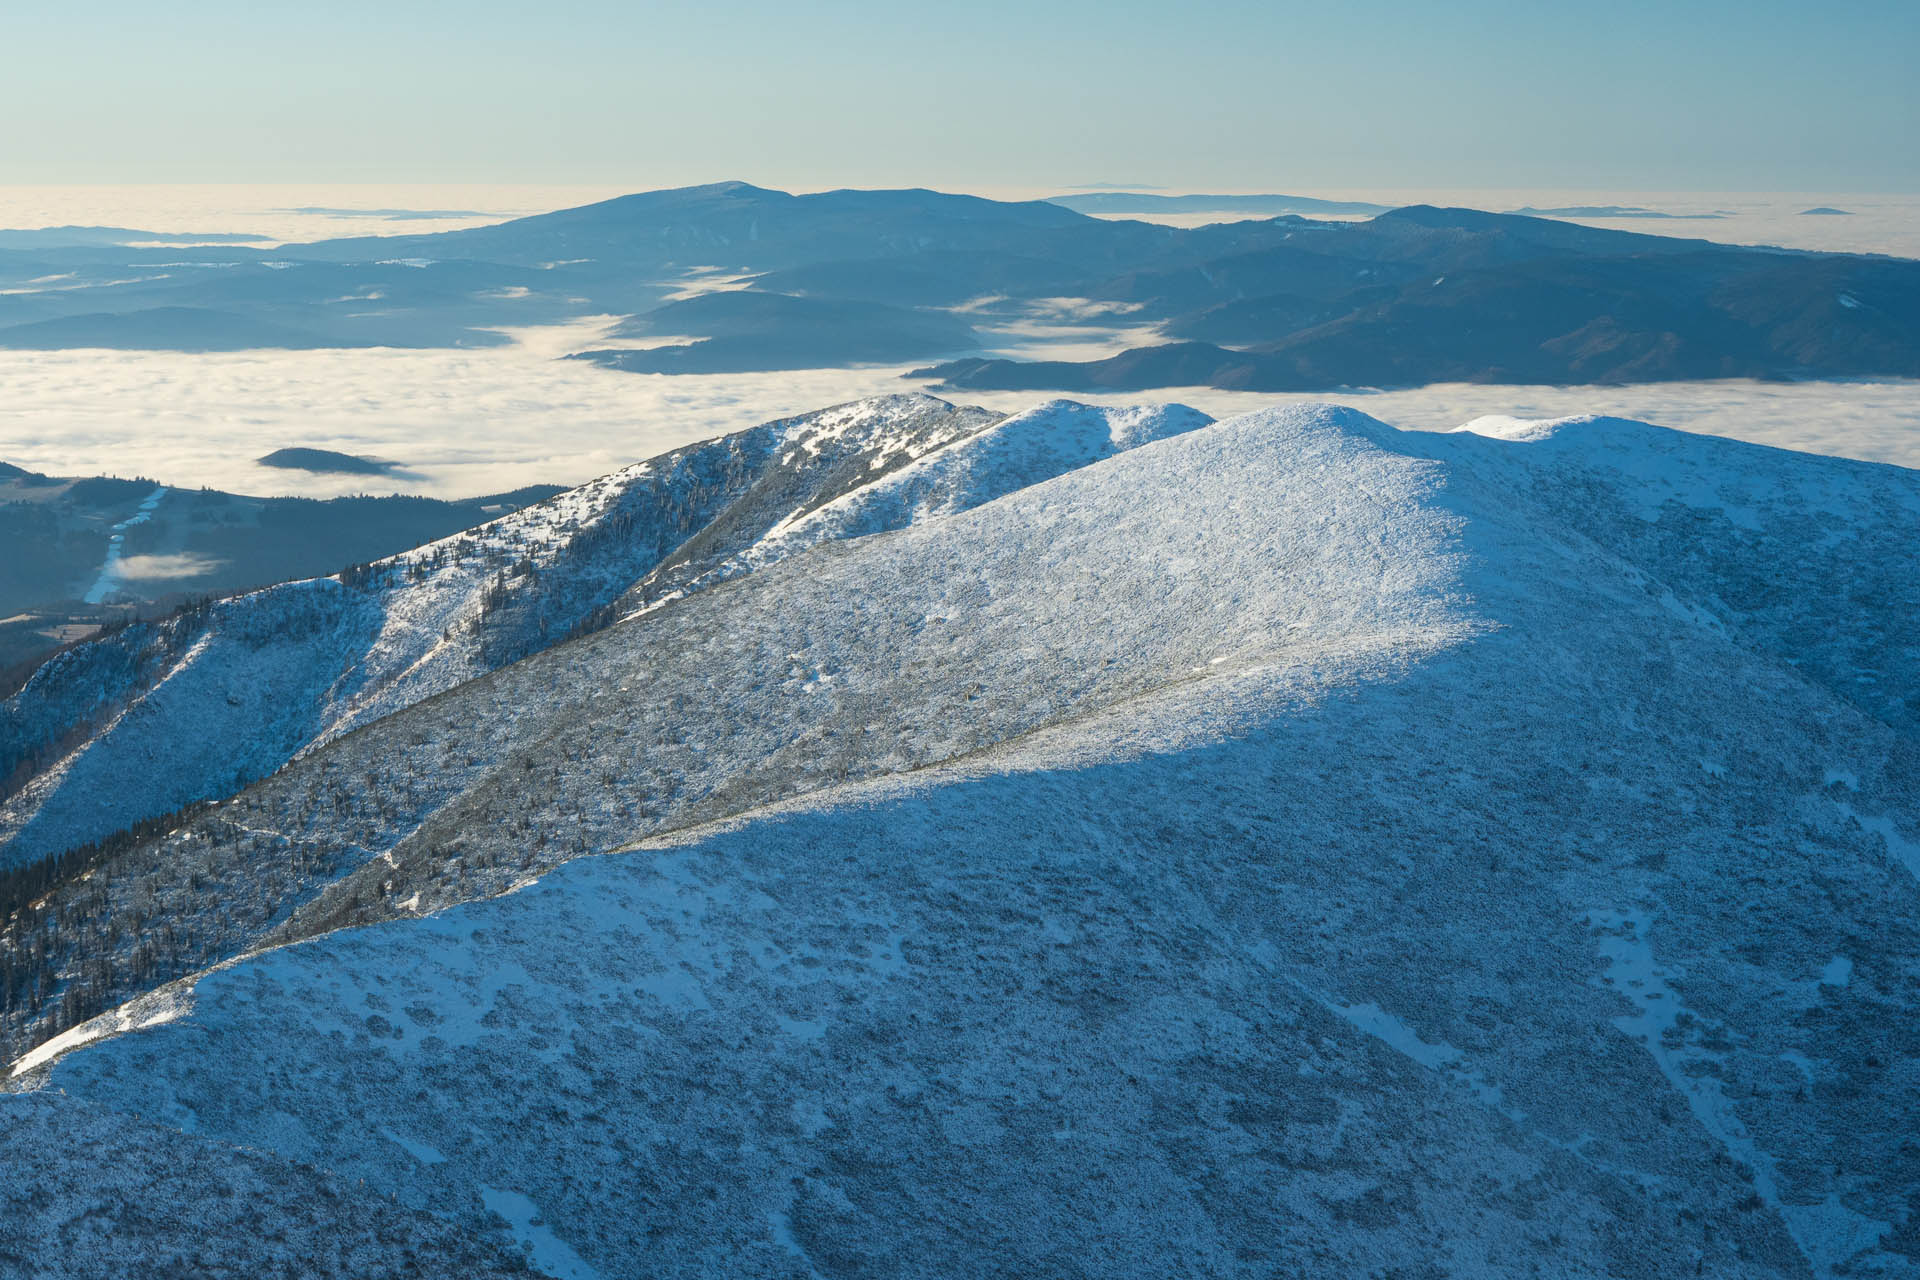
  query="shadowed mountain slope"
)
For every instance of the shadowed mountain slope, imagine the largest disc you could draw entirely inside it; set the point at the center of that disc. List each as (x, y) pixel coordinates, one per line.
(1285, 846)
(748, 330)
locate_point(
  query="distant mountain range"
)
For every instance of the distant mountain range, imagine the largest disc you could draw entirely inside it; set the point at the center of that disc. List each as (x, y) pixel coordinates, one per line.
(389, 215)
(906, 839)
(1123, 202)
(1447, 295)
(896, 277)
(103, 237)
(1611, 211)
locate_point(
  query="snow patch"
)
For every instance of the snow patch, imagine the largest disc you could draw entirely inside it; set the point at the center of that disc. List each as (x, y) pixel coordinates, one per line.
(418, 1150)
(1827, 1233)
(148, 1011)
(1904, 851)
(1435, 1056)
(546, 1250)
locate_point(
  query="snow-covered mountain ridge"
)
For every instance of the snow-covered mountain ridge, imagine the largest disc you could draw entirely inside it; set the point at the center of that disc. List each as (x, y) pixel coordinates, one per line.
(191, 709)
(1286, 846)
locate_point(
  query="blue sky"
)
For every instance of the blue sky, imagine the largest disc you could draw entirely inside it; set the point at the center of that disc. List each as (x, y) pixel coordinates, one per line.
(1214, 94)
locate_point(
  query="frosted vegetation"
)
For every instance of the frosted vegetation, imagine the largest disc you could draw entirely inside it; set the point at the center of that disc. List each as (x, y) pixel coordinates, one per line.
(1087, 842)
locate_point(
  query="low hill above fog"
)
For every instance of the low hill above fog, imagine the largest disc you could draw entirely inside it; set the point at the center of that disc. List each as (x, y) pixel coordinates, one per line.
(324, 461)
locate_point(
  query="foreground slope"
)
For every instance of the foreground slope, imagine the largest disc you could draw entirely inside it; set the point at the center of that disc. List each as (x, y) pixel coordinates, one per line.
(1289, 847)
(158, 1202)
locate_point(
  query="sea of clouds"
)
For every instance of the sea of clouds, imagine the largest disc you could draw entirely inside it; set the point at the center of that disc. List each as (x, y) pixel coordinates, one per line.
(285, 213)
(457, 423)
(460, 423)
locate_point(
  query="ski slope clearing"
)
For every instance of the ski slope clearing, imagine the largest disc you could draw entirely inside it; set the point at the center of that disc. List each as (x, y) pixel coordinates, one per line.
(1284, 846)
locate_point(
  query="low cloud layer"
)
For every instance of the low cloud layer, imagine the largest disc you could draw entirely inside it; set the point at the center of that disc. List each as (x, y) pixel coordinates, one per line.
(463, 423)
(165, 568)
(285, 212)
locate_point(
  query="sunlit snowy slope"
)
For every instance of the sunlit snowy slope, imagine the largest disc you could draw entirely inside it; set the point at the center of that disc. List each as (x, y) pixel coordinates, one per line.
(1097, 843)
(164, 715)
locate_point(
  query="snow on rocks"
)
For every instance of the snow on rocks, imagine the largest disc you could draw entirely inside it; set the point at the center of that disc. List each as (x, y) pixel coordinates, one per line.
(1022, 450)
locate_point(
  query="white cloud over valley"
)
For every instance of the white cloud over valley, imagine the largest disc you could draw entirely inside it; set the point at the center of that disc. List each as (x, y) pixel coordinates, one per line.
(165, 568)
(467, 422)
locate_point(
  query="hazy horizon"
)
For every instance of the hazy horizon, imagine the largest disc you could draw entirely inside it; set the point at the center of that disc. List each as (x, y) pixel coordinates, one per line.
(293, 212)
